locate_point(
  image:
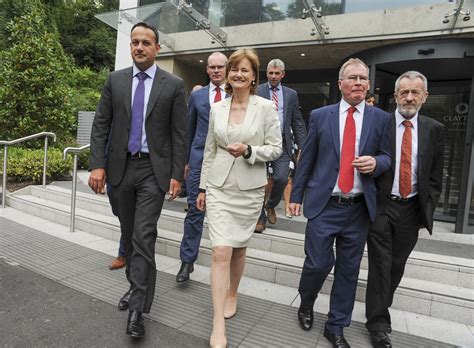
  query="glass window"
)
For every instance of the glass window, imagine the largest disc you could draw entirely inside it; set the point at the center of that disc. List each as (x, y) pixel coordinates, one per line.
(370, 5)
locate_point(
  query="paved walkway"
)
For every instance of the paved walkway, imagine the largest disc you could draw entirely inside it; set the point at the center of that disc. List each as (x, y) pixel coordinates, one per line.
(186, 309)
(39, 312)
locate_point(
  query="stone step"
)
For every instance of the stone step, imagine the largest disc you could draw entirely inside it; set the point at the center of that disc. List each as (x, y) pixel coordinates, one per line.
(430, 298)
(421, 265)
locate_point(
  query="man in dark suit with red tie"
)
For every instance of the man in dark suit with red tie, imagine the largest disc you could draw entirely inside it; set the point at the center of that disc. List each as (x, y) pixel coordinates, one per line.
(408, 194)
(141, 115)
(347, 146)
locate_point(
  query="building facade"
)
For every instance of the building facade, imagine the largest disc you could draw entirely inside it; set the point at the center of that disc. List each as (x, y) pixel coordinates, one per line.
(313, 38)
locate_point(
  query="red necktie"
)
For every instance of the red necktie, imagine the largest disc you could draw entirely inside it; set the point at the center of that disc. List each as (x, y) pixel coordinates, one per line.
(405, 161)
(346, 173)
(275, 97)
(217, 97)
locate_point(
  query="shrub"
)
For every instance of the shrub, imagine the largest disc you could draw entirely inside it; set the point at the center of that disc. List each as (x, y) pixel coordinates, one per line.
(27, 165)
(34, 94)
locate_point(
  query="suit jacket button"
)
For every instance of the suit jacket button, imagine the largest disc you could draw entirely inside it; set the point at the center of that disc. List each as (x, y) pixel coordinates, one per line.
(125, 149)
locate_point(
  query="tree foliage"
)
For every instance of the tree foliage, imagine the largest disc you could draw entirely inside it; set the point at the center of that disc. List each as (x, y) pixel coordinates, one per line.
(34, 94)
(90, 42)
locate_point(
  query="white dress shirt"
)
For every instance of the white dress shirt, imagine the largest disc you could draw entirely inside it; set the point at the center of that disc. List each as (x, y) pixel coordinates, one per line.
(281, 106)
(400, 129)
(151, 71)
(358, 118)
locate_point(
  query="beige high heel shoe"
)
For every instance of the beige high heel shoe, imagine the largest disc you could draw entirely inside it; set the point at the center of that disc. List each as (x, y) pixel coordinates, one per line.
(230, 309)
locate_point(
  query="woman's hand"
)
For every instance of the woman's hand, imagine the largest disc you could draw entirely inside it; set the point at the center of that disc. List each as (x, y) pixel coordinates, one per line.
(237, 149)
(201, 201)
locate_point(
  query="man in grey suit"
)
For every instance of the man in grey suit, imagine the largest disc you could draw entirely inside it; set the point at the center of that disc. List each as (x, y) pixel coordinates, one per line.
(143, 110)
(293, 132)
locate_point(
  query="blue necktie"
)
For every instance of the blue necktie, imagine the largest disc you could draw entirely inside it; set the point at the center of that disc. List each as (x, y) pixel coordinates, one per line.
(135, 138)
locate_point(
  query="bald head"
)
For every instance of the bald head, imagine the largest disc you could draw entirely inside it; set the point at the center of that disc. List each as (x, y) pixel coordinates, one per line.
(216, 63)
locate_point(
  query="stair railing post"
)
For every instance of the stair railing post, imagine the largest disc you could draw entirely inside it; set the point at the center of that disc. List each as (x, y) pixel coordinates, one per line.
(4, 178)
(73, 195)
(45, 160)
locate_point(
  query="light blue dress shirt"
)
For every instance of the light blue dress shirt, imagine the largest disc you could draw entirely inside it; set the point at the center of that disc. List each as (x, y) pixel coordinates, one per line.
(151, 71)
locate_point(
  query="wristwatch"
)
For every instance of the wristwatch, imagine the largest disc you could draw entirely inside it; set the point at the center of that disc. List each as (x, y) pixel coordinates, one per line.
(248, 152)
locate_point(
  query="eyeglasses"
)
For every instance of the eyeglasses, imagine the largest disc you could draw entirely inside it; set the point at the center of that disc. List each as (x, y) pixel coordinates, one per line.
(216, 67)
(406, 92)
(354, 78)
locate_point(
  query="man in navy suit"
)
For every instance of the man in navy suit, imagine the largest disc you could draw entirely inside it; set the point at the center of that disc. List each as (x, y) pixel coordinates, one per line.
(293, 132)
(198, 123)
(346, 148)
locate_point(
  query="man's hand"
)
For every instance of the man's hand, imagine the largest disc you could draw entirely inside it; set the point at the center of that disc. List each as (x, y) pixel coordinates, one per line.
(365, 164)
(295, 209)
(175, 189)
(97, 180)
(237, 149)
(201, 201)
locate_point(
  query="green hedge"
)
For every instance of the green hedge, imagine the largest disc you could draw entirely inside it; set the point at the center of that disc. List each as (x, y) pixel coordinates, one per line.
(27, 165)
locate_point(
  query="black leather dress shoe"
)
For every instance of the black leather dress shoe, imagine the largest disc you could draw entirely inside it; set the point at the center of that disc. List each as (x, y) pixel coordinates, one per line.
(184, 271)
(135, 324)
(380, 339)
(123, 303)
(305, 317)
(338, 341)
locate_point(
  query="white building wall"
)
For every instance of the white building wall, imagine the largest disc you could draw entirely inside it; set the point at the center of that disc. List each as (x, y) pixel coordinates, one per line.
(123, 58)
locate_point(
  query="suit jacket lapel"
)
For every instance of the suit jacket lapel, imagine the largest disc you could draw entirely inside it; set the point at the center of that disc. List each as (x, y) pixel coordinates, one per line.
(393, 142)
(222, 118)
(249, 116)
(367, 123)
(334, 125)
(423, 136)
(286, 120)
(205, 97)
(156, 89)
(127, 91)
(266, 92)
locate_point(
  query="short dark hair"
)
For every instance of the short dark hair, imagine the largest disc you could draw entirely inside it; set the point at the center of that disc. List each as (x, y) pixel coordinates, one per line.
(148, 26)
(369, 95)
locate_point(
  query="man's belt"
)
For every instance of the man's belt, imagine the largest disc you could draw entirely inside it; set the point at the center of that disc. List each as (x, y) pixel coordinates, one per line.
(399, 199)
(138, 155)
(349, 200)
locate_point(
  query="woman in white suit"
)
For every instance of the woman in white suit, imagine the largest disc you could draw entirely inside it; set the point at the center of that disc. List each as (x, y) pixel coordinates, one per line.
(244, 133)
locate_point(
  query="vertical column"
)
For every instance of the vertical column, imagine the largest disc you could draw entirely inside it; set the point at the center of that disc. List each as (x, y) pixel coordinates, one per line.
(467, 178)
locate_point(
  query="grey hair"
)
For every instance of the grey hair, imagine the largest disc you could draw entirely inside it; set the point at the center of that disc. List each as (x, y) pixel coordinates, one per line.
(276, 63)
(352, 61)
(412, 75)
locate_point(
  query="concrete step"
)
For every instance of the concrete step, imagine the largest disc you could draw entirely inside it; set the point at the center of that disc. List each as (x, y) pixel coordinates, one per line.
(443, 269)
(453, 301)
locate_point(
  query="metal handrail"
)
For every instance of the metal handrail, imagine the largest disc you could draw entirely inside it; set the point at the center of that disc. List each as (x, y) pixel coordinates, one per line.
(75, 151)
(6, 143)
